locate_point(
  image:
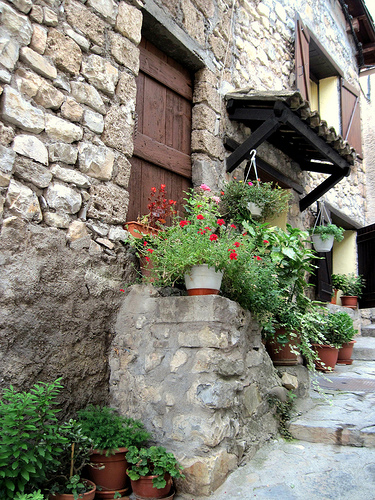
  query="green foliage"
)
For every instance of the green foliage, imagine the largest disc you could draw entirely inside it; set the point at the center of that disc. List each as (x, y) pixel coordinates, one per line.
(284, 412)
(153, 461)
(349, 284)
(75, 455)
(329, 230)
(30, 441)
(109, 431)
(36, 495)
(339, 329)
(272, 200)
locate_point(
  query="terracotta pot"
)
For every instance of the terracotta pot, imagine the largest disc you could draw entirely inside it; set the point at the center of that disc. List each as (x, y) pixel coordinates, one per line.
(322, 245)
(328, 355)
(345, 353)
(139, 230)
(349, 301)
(334, 297)
(89, 495)
(143, 487)
(108, 472)
(203, 280)
(281, 354)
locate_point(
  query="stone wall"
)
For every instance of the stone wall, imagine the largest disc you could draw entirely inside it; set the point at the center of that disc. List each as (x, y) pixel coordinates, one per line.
(194, 369)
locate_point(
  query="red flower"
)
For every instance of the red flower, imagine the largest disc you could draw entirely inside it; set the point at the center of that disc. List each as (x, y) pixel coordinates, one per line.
(213, 237)
(244, 234)
(121, 290)
(184, 223)
(208, 228)
(259, 258)
(234, 226)
(153, 190)
(150, 250)
(265, 241)
(201, 231)
(200, 217)
(222, 193)
(220, 222)
(148, 259)
(162, 186)
(237, 244)
(233, 256)
(172, 202)
(145, 243)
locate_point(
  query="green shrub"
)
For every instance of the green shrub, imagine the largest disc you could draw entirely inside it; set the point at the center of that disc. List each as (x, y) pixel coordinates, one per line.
(30, 442)
(329, 230)
(109, 431)
(349, 284)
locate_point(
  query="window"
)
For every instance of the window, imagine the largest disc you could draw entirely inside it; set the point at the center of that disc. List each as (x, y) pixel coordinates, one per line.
(321, 82)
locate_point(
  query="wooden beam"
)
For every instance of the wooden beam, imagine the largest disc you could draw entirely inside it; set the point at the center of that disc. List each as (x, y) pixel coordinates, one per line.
(251, 114)
(259, 135)
(319, 191)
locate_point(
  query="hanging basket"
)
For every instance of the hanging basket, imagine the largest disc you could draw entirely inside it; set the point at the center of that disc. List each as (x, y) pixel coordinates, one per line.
(322, 245)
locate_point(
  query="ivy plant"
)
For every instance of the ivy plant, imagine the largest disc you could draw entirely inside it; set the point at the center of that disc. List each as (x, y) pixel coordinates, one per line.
(30, 442)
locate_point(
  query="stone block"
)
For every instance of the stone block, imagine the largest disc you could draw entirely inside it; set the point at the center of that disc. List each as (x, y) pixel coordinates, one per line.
(48, 96)
(203, 141)
(94, 121)
(251, 399)
(9, 50)
(4, 182)
(117, 233)
(6, 136)
(7, 157)
(27, 82)
(109, 203)
(79, 39)
(205, 89)
(122, 171)
(118, 130)
(217, 394)
(65, 153)
(129, 22)
(100, 73)
(193, 21)
(70, 176)
(289, 381)
(87, 94)
(107, 9)
(77, 229)
(36, 14)
(58, 220)
(126, 89)
(64, 51)
(5, 77)
(203, 118)
(62, 130)
(16, 110)
(63, 198)
(22, 5)
(125, 52)
(71, 110)
(79, 17)
(39, 39)
(96, 161)
(50, 17)
(22, 202)
(17, 24)
(38, 63)
(32, 147)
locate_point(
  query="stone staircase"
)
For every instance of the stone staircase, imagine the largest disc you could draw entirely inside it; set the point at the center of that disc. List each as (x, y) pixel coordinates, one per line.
(342, 411)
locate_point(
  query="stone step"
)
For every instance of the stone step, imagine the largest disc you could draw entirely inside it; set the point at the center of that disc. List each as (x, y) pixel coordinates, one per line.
(342, 412)
(368, 331)
(364, 348)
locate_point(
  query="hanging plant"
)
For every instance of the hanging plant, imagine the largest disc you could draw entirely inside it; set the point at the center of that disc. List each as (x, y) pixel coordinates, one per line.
(323, 235)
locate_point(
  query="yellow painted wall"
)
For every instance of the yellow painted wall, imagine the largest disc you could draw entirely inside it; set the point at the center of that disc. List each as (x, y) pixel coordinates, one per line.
(344, 258)
(329, 104)
(314, 96)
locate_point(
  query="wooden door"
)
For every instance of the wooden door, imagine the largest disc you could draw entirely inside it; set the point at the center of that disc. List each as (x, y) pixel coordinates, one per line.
(162, 140)
(366, 264)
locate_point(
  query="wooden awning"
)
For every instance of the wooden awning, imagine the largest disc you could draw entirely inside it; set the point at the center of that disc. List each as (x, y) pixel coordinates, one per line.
(285, 120)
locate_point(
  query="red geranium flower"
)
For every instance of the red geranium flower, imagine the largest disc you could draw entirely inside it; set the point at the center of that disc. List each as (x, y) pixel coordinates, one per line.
(145, 243)
(150, 250)
(237, 244)
(213, 237)
(265, 241)
(221, 222)
(184, 223)
(200, 217)
(259, 258)
(234, 226)
(208, 228)
(153, 190)
(148, 259)
(233, 256)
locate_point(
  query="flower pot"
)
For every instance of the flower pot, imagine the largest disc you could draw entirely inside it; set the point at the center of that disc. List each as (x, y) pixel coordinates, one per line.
(203, 280)
(254, 209)
(143, 487)
(327, 357)
(108, 472)
(349, 301)
(282, 354)
(89, 495)
(334, 297)
(322, 245)
(139, 230)
(345, 353)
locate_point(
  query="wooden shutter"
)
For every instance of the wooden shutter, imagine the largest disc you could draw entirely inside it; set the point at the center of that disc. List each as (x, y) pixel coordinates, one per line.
(162, 140)
(366, 264)
(350, 116)
(302, 60)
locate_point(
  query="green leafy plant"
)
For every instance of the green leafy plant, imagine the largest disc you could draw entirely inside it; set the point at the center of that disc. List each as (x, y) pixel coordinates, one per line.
(284, 412)
(349, 284)
(339, 329)
(329, 230)
(237, 195)
(75, 455)
(109, 431)
(30, 439)
(153, 461)
(36, 495)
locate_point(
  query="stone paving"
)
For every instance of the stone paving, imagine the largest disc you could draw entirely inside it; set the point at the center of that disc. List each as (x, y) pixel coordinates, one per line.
(334, 456)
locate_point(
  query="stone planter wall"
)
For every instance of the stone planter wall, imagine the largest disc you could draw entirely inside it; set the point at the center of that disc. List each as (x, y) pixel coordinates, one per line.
(195, 371)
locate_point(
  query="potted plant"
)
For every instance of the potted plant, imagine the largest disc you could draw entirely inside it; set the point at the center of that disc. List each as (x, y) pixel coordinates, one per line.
(351, 286)
(160, 210)
(65, 482)
(151, 471)
(323, 236)
(111, 435)
(341, 325)
(241, 201)
(201, 238)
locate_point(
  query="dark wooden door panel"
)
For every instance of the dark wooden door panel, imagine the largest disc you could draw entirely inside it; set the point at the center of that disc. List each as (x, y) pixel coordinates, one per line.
(366, 264)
